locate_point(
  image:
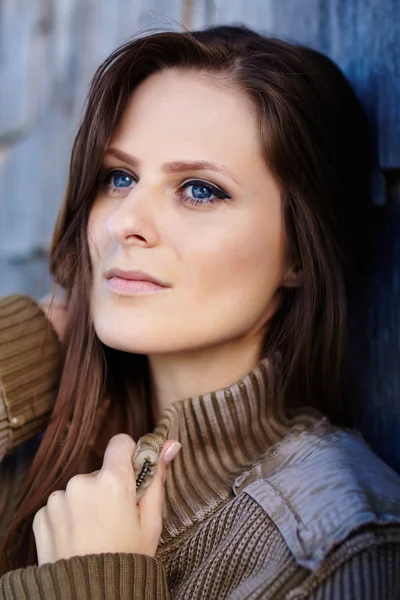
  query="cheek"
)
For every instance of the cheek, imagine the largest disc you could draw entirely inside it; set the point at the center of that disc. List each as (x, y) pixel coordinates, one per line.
(232, 281)
(247, 258)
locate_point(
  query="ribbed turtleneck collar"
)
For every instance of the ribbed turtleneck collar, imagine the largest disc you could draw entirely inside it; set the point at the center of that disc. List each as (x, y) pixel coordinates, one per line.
(222, 434)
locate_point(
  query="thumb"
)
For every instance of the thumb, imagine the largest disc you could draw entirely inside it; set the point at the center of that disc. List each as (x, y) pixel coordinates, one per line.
(118, 455)
(151, 505)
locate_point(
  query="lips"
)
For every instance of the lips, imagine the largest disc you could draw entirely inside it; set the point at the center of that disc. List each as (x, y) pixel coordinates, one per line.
(130, 275)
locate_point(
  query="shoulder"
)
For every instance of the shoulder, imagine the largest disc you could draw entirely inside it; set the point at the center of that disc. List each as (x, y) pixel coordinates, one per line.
(30, 356)
(319, 487)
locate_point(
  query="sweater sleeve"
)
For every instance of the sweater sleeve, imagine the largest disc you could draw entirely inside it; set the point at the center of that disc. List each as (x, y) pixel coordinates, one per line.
(29, 359)
(90, 577)
(364, 567)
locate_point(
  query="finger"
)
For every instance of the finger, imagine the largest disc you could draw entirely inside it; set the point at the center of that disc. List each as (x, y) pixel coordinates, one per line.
(118, 455)
(43, 537)
(151, 505)
(59, 522)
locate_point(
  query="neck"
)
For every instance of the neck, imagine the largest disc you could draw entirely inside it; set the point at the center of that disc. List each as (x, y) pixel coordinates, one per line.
(189, 374)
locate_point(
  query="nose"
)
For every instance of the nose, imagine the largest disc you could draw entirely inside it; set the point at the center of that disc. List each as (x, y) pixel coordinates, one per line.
(132, 220)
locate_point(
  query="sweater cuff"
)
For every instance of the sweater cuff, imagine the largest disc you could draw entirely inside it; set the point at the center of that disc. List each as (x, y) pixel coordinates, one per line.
(94, 576)
(29, 361)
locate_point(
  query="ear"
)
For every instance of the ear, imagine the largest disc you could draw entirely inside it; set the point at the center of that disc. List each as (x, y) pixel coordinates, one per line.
(293, 277)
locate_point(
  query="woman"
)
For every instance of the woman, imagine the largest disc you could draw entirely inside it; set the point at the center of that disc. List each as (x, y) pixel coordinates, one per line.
(215, 197)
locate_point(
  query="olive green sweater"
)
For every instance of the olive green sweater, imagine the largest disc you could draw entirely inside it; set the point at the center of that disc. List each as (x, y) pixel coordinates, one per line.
(258, 505)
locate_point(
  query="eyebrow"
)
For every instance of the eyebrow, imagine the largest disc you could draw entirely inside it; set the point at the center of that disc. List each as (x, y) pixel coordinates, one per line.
(177, 166)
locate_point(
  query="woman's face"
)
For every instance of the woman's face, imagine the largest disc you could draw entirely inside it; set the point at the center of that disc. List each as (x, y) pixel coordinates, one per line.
(192, 204)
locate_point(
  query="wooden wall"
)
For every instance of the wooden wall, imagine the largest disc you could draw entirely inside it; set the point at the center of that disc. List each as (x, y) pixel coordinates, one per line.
(49, 50)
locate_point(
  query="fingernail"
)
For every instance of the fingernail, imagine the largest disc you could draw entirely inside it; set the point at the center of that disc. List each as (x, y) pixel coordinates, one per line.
(172, 452)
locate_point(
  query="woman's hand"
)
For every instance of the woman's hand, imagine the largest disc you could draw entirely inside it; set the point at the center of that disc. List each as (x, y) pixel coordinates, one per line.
(55, 309)
(98, 513)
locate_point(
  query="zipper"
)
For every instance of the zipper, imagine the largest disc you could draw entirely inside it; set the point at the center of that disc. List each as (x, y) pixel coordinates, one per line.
(142, 475)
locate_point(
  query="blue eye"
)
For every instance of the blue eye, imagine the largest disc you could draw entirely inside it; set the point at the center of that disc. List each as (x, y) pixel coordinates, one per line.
(116, 179)
(202, 193)
(121, 179)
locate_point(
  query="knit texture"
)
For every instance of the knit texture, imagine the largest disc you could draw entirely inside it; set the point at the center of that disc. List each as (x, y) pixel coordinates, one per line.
(112, 576)
(214, 545)
(29, 357)
(222, 434)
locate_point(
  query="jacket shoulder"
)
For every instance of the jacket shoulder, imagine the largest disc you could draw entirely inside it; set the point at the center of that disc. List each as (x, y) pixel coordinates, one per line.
(319, 486)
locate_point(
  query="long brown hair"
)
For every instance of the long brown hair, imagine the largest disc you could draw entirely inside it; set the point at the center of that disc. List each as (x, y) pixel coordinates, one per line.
(315, 141)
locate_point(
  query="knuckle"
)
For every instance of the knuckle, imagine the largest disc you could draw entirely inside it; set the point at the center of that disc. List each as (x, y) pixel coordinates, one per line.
(74, 485)
(110, 480)
(120, 437)
(54, 499)
(56, 495)
(121, 440)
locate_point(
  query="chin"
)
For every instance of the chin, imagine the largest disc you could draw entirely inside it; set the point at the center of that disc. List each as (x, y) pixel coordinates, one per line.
(120, 340)
(127, 341)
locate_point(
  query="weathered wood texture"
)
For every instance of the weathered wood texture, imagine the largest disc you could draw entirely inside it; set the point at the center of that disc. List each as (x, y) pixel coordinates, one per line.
(361, 36)
(375, 347)
(49, 50)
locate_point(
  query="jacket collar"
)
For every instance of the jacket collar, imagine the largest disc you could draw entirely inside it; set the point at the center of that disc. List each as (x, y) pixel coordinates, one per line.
(319, 486)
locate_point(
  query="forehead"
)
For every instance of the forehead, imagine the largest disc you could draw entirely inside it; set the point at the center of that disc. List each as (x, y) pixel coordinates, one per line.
(189, 115)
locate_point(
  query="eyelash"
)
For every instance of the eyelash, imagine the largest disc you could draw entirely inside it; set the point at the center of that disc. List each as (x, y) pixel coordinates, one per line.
(107, 174)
